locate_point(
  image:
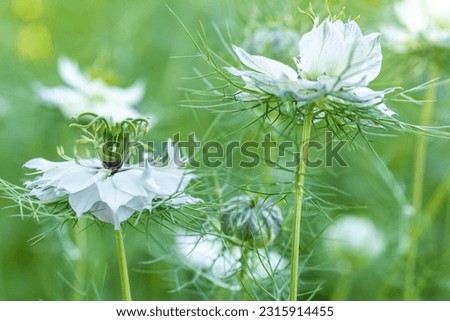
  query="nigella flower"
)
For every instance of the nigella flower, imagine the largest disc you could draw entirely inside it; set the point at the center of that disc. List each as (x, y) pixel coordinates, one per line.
(86, 94)
(354, 239)
(110, 194)
(220, 263)
(335, 65)
(420, 23)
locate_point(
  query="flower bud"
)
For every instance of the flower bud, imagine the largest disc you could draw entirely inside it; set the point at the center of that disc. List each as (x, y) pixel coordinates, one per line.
(254, 221)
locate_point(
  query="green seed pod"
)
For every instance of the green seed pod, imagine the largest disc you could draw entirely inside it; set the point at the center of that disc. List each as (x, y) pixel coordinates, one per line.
(256, 222)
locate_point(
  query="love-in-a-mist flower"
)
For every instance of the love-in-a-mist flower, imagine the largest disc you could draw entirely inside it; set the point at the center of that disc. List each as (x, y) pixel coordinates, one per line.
(220, 262)
(354, 239)
(108, 187)
(249, 226)
(84, 93)
(419, 24)
(335, 65)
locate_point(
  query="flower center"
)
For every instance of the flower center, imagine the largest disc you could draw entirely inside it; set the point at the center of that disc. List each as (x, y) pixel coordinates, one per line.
(114, 153)
(115, 143)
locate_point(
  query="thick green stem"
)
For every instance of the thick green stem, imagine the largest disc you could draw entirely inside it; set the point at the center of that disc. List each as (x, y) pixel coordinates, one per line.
(303, 147)
(417, 194)
(124, 280)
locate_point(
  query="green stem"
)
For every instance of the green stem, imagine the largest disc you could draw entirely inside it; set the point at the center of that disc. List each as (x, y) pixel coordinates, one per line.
(80, 266)
(343, 285)
(417, 193)
(124, 280)
(303, 147)
(243, 275)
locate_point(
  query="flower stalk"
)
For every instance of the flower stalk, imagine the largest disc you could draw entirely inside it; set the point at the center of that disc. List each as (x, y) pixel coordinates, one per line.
(124, 279)
(80, 237)
(417, 194)
(303, 147)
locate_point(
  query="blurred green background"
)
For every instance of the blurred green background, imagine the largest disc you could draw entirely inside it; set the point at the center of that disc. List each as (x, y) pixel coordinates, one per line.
(141, 39)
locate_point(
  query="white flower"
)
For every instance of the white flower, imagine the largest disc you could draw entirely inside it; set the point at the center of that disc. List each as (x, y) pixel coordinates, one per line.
(338, 55)
(84, 94)
(355, 239)
(420, 23)
(112, 198)
(219, 263)
(335, 61)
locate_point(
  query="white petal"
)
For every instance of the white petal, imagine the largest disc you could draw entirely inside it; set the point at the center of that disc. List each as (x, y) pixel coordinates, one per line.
(46, 194)
(208, 252)
(71, 102)
(130, 181)
(71, 74)
(41, 164)
(130, 96)
(111, 195)
(139, 204)
(322, 51)
(335, 50)
(200, 252)
(78, 178)
(121, 215)
(385, 110)
(365, 63)
(52, 172)
(363, 95)
(264, 266)
(170, 180)
(351, 30)
(271, 67)
(83, 201)
(105, 214)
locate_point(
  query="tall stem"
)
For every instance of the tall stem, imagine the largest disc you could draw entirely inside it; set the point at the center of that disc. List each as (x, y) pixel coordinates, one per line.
(80, 266)
(124, 280)
(243, 275)
(417, 194)
(303, 147)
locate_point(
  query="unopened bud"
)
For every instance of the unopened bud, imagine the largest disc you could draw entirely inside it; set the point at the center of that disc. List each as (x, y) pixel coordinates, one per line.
(257, 222)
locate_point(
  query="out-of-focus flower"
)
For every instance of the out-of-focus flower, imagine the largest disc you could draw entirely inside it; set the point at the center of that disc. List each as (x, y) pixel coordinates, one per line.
(86, 94)
(420, 23)
(110, 194)
(335, 65)
(220, 263)
(354, 239)
(257, 222)
(277, 41)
